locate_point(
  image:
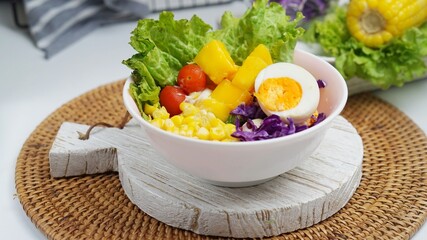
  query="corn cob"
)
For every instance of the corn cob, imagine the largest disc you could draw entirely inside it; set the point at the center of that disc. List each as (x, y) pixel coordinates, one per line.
(375, 22)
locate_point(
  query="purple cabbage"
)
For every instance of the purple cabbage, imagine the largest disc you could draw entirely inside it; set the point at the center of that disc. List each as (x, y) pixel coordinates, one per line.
(248, 111)
(309, 8)
(271, 127)
(321, 83)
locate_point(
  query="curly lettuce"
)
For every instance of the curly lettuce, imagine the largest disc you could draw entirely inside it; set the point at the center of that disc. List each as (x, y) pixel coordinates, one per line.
(263, 23)
(393, 64)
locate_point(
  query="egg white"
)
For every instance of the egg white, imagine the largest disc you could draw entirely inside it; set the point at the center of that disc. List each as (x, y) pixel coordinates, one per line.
(310, 90)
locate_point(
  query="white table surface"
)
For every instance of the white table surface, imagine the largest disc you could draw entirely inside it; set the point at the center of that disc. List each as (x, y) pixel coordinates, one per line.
(32, 87)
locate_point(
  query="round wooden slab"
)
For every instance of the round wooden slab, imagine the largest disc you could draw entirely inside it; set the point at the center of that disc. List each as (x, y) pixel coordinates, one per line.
(315, 190)
(304, 196)
(390, 202)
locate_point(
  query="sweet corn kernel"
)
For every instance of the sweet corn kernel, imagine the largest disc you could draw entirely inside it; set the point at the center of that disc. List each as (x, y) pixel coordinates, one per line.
(174, 130)
(177, 120)
(158, 122)
(186, 131)
(168, 124)
(199, 123)
(189, 119)
(194, 124)
(188, 109)
(216, 133)
(160, 113)
(202, 133)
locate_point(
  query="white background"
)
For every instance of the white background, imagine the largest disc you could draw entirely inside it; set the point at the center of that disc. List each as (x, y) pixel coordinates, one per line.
(32, 87)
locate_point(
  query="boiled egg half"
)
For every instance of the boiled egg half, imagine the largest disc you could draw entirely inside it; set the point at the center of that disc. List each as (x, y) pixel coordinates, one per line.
(287, 90)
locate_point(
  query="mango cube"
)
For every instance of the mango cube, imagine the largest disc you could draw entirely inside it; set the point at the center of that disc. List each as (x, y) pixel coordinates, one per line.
(262, 52)
(219, 109)
(245, 76)
(231, 95)
(215, 61)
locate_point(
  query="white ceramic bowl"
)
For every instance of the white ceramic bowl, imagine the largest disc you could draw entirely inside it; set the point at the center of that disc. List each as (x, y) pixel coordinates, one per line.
(237, 164)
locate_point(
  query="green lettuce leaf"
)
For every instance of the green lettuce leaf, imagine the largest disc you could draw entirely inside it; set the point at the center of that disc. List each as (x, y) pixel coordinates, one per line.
(165, 45)
(263, 23)
(145, 90)
(393, 64)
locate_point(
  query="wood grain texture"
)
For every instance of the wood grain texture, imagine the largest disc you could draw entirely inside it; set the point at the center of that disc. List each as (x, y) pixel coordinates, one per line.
(297, 199)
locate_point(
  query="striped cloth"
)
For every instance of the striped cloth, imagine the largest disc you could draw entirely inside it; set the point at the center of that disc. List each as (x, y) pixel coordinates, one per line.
(55, 24)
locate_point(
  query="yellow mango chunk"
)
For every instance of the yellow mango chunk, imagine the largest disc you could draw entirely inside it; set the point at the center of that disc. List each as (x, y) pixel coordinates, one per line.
(231, 95)
(245, 76)
(219, 109)
(215, 61)
(262, 52)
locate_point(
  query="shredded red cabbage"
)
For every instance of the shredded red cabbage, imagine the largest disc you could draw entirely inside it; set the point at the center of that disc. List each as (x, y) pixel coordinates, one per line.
(321, 83)
(246, 111)
(271, 127)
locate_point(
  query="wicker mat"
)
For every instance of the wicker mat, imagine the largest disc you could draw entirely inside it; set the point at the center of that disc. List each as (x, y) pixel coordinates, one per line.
(391, 202)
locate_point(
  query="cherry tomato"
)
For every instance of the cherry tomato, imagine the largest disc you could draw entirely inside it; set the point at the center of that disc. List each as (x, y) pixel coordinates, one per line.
(191, 78)
(170, 98)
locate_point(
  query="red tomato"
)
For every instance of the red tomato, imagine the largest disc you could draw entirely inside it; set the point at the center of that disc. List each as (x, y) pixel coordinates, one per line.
(170, 98)
(191, 78)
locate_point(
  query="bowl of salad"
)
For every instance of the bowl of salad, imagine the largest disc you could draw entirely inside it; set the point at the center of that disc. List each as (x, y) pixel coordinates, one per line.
(231, 113)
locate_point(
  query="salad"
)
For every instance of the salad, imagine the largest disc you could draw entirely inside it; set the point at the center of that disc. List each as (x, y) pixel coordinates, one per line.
(236, 83)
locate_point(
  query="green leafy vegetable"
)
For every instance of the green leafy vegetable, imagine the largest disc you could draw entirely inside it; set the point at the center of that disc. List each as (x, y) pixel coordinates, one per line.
(263, 23)
(392, 64)
(163, 46)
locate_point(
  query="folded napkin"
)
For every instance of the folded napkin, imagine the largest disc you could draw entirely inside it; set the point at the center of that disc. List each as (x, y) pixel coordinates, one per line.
(55, 24)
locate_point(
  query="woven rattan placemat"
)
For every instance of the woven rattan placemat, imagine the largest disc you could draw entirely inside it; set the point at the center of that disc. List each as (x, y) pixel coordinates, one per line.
(390, 203)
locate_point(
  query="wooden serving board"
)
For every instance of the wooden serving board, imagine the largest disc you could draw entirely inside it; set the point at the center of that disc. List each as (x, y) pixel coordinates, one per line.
(304, 196)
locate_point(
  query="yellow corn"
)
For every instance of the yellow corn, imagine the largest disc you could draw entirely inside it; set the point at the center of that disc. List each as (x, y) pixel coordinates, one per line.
(217, 133)
(188, 109)
(375, 22)
(202, 133)
(160, 113)
(177, 120)
(193, 122)
(186, 131)
(158, 122)
(168, 125)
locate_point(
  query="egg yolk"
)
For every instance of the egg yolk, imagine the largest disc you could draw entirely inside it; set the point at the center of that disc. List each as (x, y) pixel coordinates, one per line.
(279, 94)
